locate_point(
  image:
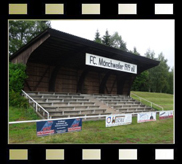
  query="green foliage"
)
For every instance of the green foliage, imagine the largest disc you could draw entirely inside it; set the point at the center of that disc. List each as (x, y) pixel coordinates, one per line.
(135, 51)
(159, 78)
(97, 37)
(21, 32)
(141, 82)
(117, 42)
(114, 40)
(106, 39)
(17, 76)
(16, 100)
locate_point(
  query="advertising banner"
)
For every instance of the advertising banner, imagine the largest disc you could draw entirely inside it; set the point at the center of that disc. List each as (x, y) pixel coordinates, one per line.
(103, 62)
(165, 114)
(58, 126)
(145, 117)
(116, 120)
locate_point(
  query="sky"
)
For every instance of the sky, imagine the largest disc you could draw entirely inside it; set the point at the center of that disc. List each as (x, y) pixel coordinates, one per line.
(156, 35)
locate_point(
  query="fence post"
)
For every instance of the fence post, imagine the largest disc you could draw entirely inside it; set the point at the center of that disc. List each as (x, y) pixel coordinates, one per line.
(36, 107)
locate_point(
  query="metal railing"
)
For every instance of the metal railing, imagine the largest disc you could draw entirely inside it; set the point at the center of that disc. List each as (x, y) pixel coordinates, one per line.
(37, 105)
(151, 103)
(66, 118)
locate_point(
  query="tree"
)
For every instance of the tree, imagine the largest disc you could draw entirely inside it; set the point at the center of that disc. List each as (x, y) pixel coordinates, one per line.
(97, 37)
(151, 77)
(17, 76)
(21, 32)
(135, 51)
(117, 42)
(163, 74)
(159, 75)
(141, 82)
(106, 39)
(150, 54)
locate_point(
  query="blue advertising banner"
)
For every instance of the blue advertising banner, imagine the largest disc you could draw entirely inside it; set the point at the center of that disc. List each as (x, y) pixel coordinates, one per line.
(58, 126)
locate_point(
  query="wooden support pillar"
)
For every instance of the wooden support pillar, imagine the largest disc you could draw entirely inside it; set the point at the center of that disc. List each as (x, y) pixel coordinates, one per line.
(52, 80)
(132, 78)
(124, 84)
(81, 80)
(35, 88)
(103, 82)
(120, 83)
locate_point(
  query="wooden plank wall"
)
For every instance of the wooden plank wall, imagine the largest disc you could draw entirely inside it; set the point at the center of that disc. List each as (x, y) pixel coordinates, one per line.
(111, 85)
(92, 83)
(66, 80)
(35, 72)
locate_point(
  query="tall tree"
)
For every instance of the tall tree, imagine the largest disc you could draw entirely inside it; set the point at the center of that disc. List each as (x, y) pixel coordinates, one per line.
(135, 51)
(151, 77)
(106, 39)
(159, 75)
(97, 37)
(141, 82)
(117, 42)
(163, 73)
(21, 32)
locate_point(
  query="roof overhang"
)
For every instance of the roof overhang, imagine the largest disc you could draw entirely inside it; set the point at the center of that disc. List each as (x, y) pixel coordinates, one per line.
(59, 48)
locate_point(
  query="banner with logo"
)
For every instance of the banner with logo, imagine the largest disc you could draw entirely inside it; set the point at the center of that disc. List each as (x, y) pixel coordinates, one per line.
(58, 126)
(116, 120)
(108, 63)
(145, 117)
(165, 114)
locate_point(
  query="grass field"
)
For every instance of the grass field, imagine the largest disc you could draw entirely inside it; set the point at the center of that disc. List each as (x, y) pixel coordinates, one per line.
(160, 131)
(162, 99)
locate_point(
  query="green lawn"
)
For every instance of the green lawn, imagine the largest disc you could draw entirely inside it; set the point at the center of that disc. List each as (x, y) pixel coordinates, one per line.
(160, 131)
(162, 99)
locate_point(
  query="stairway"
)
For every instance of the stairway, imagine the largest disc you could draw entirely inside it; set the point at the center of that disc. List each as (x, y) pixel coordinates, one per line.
(123, 104)
(63, 105)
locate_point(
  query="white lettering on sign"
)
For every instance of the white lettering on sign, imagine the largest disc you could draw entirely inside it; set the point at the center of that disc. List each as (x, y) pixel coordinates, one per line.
(99, 61)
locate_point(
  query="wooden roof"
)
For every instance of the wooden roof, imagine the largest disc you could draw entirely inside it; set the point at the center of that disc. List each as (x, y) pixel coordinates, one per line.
(54, 47)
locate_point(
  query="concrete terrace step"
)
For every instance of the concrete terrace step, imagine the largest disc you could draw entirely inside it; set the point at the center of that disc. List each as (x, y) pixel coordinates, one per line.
(127, 105)
(108, 95)
(135, 109)
(52, 93)
(80, 115)
(59, 100)
(115, 100)
(66, 103)
(123, 103)
(113, 97)
(56, 97)
(70, 107)
(76, 105)
(81, 111)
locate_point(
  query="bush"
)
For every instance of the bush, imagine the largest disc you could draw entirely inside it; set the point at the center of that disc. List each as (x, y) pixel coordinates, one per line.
(17, 77)
(16, 100)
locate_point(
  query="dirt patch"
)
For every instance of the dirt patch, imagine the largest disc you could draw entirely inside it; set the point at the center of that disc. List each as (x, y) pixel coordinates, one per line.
(133, 140)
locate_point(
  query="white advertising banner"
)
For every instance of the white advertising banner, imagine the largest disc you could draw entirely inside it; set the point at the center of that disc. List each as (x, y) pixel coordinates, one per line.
(99, 61)
(116, 120)
(145, 117)
(165, 114)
